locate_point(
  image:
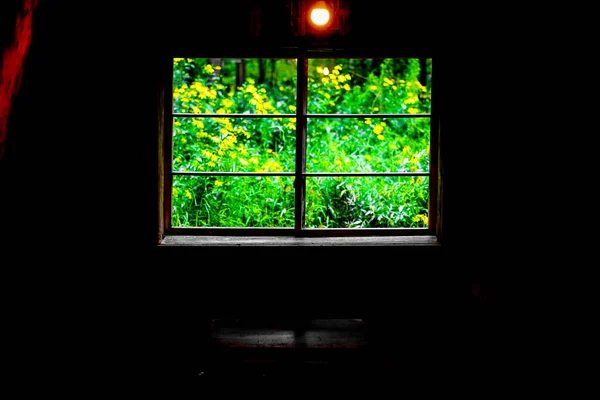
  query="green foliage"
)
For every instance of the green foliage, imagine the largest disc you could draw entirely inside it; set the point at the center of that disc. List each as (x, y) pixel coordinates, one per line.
(225, 144)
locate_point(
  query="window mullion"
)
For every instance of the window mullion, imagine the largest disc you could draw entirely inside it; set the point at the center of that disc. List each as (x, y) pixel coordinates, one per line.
(300, 177)
(167, 156)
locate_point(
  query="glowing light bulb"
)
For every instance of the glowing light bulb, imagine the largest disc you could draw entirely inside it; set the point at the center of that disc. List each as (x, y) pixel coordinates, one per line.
(319, 16)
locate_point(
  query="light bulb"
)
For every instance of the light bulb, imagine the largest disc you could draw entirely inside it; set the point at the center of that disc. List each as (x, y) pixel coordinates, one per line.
(320, 15)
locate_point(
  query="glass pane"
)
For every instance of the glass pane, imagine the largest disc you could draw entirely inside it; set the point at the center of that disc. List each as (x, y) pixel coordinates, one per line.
(234, 85)
(234, 144)
(233, 201)
(369, 86)
(367, 145)
(367, 202)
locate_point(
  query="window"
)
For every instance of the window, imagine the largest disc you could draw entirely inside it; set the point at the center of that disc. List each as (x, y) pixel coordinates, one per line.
(309, 145)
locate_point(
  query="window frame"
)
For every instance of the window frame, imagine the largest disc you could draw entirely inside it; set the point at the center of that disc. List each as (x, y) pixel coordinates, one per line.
(167, 234)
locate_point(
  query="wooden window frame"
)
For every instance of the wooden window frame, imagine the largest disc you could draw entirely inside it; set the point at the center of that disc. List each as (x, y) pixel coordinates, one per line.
(298, 235)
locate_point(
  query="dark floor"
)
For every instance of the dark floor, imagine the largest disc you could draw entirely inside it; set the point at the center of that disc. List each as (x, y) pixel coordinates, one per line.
(415, 349)
(345, 348)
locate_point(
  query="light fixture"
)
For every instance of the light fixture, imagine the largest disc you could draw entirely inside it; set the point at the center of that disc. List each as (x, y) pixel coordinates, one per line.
(320, 19)
(320, 14)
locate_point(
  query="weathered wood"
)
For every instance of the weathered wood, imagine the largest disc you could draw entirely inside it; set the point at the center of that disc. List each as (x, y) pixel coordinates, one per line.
(277, 241)
(332, 333)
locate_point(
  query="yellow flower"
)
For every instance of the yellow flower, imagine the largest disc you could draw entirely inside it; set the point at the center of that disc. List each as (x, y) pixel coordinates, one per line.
(188, 194)
(218, 183)
(421, 217)
(378, 129)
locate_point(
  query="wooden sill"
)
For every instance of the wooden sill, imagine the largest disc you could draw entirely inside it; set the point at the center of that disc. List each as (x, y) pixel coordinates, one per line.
(280, 241)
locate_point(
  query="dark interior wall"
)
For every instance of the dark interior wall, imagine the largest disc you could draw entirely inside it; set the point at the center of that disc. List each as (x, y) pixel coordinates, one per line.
(80, 163)
(79, 182)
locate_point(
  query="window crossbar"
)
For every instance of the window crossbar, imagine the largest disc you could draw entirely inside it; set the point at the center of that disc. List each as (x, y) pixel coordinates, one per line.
(192, 115)
(204, 173)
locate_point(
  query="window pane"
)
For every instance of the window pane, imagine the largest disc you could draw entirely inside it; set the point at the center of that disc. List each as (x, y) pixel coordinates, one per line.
(233, 201)
(367, 145)
(369, 86)
(234, 144)
(367, 202)
(233, 85)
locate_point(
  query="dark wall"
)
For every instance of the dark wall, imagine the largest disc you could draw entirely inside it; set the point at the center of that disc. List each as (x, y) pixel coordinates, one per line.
(79, 180)
(80, 162)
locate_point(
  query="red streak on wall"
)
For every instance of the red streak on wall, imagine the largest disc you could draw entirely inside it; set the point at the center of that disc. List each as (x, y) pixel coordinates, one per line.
(12, 65)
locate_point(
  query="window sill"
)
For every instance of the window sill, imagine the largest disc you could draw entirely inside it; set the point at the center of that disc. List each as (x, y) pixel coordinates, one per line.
(282, 241)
